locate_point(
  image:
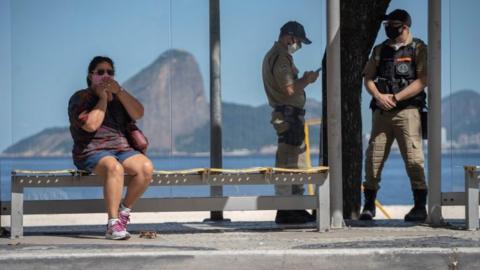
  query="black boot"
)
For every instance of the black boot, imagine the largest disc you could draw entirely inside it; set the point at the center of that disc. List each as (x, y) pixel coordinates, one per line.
(369, 207)
(293, 217)
(419, 211)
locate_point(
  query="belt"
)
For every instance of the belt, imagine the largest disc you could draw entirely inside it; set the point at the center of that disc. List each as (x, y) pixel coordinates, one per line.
(289, 110)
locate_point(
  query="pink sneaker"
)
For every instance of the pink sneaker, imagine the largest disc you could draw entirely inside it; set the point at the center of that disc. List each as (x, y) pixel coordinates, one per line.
(124, 218)
(116, 231)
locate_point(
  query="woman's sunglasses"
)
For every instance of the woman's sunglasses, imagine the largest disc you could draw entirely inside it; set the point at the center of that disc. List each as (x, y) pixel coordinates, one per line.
(100, 72)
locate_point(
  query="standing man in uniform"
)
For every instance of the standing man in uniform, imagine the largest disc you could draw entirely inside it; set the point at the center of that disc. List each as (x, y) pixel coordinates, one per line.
(286, 95)
(395, 76)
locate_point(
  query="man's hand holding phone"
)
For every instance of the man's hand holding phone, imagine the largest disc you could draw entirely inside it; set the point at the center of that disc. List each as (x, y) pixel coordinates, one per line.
(310, 76)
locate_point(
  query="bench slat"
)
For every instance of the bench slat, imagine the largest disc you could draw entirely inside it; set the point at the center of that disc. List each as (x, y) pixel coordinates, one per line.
(173, 180)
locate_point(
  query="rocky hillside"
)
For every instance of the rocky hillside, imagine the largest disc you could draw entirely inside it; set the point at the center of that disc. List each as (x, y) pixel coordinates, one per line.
(171, 90)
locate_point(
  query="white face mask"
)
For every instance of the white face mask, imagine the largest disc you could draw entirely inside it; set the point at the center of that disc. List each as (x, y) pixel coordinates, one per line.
(292, 48)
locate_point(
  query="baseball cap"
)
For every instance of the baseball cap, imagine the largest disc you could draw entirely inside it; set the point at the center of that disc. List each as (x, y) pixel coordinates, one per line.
(295, 29)
(399, 15)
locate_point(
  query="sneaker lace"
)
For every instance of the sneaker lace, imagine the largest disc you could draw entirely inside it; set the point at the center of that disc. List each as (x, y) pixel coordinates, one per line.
(124, 218)
(117, 226)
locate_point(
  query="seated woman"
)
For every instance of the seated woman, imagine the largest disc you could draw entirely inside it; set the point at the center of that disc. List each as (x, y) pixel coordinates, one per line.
(98, 119)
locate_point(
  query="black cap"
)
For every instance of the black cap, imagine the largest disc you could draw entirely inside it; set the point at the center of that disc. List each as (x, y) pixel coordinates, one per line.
(295, 29)
(399, 15)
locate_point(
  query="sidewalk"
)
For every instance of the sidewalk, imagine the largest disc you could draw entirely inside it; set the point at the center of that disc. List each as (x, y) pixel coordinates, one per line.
(258, 244)
(395, 211)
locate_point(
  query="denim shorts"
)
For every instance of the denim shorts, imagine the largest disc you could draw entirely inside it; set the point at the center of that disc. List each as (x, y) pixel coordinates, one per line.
(88, 164)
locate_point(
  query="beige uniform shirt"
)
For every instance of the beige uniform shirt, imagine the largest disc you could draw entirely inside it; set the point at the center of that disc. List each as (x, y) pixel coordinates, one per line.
(370, 71)
(278, 71)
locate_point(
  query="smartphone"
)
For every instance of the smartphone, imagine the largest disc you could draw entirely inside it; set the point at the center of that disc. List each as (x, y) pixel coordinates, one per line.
(318, 70)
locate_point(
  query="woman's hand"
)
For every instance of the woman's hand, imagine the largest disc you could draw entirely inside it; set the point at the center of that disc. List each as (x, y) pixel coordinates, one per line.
(100, 92)
(112, 86)
(103, 89)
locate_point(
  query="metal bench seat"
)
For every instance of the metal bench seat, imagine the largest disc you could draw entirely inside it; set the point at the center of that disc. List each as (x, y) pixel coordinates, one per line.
(193, 177)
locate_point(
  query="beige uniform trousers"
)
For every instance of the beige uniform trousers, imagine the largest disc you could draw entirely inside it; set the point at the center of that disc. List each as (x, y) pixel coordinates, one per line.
(404, 126)
(288, 156)
(292, 157)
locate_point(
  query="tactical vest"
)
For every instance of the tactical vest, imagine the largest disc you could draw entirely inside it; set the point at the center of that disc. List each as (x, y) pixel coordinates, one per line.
(397, 69)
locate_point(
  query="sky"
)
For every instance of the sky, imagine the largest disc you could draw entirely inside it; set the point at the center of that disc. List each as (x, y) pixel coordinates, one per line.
(45, 47)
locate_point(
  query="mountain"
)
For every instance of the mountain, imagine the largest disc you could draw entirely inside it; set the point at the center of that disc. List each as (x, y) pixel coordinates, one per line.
(460, 114)
(171, 90)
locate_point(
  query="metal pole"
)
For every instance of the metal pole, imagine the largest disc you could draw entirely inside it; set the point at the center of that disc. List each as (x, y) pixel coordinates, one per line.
(215, 101)
(434, 119)
(334, 124)
(471, 198)
(6, 85)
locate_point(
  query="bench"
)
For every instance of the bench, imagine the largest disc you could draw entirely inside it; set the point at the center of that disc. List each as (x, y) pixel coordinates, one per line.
(469, 198)
(211, 177)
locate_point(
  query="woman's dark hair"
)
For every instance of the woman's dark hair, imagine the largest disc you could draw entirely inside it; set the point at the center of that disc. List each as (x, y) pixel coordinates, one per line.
(94, 63)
